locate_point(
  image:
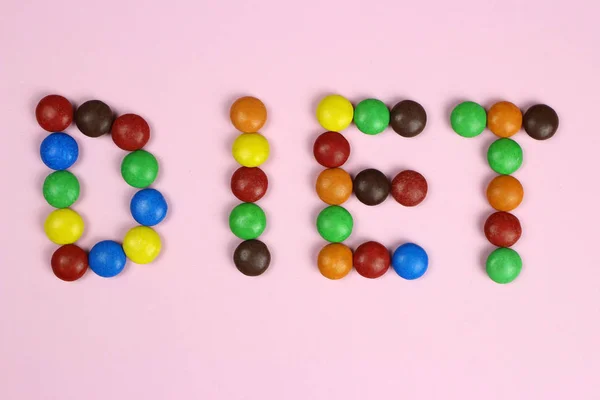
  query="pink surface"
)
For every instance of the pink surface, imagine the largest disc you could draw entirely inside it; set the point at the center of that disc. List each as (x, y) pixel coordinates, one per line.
(190, 325)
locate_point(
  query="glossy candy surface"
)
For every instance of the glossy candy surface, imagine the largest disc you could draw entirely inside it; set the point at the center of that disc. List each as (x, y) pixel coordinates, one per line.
(504, 119)
(148, 207)
(505, 156)
(409, 188)
(247, 221)
(335, 261)
(334, 186)
(335, 113)
(142, 244)
(540, 122)
(410, 261)
(54, 113)
(94, 118)
(408, 118)
(107, 258)
(371, 116)
(69, 262)
(64, 226)
(130, 132)
(250, 149)
(61, 189)
(468, 119)
(371, 259)
(503, 265)
(335, 224)
(249, 184)
(252, 257)
(502, 229)
(371, 187)
(59, 151)
(505, 193)
(248, 114)
(331, 149)
(139, 168)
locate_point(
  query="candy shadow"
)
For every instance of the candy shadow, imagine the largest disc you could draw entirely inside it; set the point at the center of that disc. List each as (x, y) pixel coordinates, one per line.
(483, 255)
(450, 105)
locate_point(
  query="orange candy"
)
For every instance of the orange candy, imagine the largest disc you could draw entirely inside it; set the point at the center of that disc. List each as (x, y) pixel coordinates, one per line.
(334, 186)
(504, 119)
(248, 114)
(335, 261)
(505, 193)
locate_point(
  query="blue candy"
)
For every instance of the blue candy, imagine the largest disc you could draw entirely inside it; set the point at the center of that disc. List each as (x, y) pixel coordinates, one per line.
(410, 261)
(148, 207)
(59, 151)
(107, 258)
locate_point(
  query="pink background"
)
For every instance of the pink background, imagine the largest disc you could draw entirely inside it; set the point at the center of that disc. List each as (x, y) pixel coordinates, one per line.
(190, 325)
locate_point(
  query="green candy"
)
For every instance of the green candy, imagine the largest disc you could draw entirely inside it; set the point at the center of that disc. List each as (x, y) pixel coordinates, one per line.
(505, 156)
(335, 224)
(139, 169)
(468, 119)
(247, 221)
(503, 265)
(61, 189)
(371, 116)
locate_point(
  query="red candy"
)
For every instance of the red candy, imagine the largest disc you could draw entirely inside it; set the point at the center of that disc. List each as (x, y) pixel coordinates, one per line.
(409, 188)
(249, 184)
(371, 259)
(69, 262)
(502, 229)
(54, 113)
(331, 149)
(130, 132)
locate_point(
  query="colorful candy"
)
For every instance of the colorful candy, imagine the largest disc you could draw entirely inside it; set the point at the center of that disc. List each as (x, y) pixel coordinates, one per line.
(335, 261)
(250, 149)
(54, 113)
(130, 132)
(505, 156)
(249, 184)
(94, 118)
(139, 169)
(248, 114)
(504, 119)
(61, 189)
(503, 265)
(59, 151)
(468, 119)
(335, 224)
(371, 116)
(505, 193)
(142, 244)
(371, 187)
(409, 188)
(334, 186)
(247, 221)
(252, 257)
(335, 113)
(410, 261)
(371, 260)
(148, 207)
(107, 259)
(408, 118)
(502, 229)
(540, 122)
(331, 149)
(69, 262)
(64, 226)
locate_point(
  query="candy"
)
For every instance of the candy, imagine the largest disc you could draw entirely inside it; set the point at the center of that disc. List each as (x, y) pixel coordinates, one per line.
(540, 122)
(503, 265)
(250, 149)
(247, 221)
(107, 258)
(334, 186)
(371, 116)
(502, 229)
(409, 188)
(335, 224)
(148, 207)
(59, 151)
(410, 261)
(504, 119)
(139, 168)
(249, 184)
(94, 118)
(371, 260)
(505, 156)
(61, 189)
(248, 114)
(130, 132)
(142, 244)
(334, 113)
(335, 261)
(468, 119)
(371, 187)
(69, 262)
(408, 118)
(331, 149)
(505, 193)
(252, 257)
(64, 226)
(54, 113)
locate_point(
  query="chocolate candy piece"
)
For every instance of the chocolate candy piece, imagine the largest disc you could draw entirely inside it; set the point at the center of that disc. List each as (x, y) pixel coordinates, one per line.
(505, 193)
(371, 116)
(371, 187)
(505, 156)
(252, 257)
(130, 132)
(502, 229)
(331, 149)
(69, 262)
(504, 119)
(409, 188)
(335, 261)
(334, 186)
(371, 260)
(408, 118)
(247, 221)
(249, 184)
(248, 114)
(503, 265)
(540, 122)
(54, 113)
(94, 118)
(335, 224)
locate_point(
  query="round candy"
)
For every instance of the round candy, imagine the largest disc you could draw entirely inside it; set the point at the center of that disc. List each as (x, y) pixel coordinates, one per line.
(505, 156)
(69, 262)
(468, 119)
(335, 261)
(249, 184)
(410, 261)
(61, 189)
(505, 193)
(408, 118)
(371, 116)
(64, 226)
(54, 113)
(252, 257)
(334, 186)
(250, 149)
(59, 151)
(248, 114)
(335, 224)
(540, 122)
(247, 221)
(371, 260)
(139, 168)
(371, 187)
(107, 258)
(148, 207)
(142, 244)
(130, 132)
(504, 119)
(94, 118)
(503, 265)
(409, 188)
(502, 229)
(331, 149)
(335, 113)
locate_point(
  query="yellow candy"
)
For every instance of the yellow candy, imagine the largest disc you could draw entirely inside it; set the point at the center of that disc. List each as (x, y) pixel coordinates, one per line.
(142, 244)
(64, 226)
(335, 113)
(250, 149)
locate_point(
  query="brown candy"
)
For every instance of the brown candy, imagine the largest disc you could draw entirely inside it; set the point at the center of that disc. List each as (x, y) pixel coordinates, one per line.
(371, 187)
(408, 118)
(252, 257)
(540, 122)
(94, 118)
